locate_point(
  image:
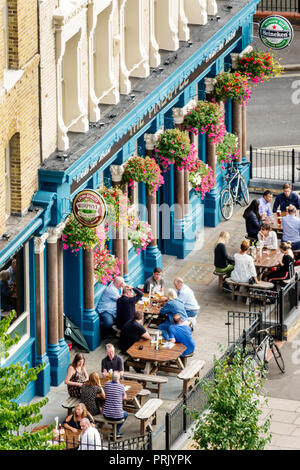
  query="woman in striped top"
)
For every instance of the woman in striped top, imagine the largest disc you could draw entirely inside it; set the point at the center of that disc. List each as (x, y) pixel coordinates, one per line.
(114, 396)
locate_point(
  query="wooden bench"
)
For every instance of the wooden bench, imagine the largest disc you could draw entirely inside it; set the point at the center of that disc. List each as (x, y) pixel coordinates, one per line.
(144, 378)
(235, 287)
(147, 414)
(190, 374)
(221, 277)
(70, 403)
(106, 426)
(142, 394)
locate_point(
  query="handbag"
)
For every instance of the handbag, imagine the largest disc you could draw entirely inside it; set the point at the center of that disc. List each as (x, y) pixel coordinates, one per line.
(251, 280)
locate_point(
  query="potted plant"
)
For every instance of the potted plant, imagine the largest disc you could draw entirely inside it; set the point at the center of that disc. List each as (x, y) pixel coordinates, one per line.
(258, 66)
(232, 85)
(201, 178)
(143, 170)
(106, 265)
(173, 147)
(139, 233)
(206, 118)
(227, 150)
(233, 419)
(76, 236)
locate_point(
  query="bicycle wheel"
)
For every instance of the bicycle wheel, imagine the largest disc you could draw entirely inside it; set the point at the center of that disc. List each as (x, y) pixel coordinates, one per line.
(252, 370)
(244, 191)
(226, 204)
(278, 357)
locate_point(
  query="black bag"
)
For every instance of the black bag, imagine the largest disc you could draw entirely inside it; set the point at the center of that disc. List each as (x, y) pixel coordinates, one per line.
(251, 280)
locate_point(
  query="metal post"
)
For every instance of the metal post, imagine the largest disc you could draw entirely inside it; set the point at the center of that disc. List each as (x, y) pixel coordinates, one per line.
(293, 166)
(251, 161)
(149, 440)
(167, 431)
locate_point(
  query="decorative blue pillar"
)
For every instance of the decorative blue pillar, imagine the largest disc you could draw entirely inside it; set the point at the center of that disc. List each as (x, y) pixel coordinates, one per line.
(90, 319)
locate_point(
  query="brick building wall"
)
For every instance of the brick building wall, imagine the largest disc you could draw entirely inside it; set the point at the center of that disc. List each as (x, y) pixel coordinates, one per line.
(19, 106)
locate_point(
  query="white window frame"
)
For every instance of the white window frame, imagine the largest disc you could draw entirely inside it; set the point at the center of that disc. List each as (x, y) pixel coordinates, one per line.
(25, 316)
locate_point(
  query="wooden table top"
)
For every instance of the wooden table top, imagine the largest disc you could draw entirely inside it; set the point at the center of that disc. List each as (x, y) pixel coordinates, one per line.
(149, 353)
(132, 392)
(263, 262)
(152, 309)
(272, 220)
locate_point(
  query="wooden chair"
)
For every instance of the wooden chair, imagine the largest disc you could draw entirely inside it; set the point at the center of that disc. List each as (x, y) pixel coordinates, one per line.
(107, 426)
(190, 375)
(148, 414)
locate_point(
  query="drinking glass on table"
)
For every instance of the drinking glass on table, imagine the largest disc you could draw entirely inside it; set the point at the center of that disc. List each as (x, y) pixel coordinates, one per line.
(268, 253)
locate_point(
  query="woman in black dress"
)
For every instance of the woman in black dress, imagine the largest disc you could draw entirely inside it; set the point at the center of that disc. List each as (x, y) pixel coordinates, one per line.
(253, 219)
(282, 272)
(72, 422)
(76, 376)
(91, 391)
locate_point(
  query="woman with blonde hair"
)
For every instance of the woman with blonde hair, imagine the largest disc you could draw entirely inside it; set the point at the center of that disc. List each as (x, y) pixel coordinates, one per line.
(223, 262)
(172, 306)
(244, 268)
(72, 422)
(91, 391)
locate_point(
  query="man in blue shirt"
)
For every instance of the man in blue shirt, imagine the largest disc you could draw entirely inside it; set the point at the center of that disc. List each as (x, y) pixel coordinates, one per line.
(291, 228)
(180, 333)
(265, 203)
(107, 305)
(173, 306)
(285, 199)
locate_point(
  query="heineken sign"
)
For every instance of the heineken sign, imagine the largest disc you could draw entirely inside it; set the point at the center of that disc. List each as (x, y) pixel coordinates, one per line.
(89, 208)
(276, 32)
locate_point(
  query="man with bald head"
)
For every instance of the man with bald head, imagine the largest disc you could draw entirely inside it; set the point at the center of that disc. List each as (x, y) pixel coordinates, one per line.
(187, 297)
(107, 305)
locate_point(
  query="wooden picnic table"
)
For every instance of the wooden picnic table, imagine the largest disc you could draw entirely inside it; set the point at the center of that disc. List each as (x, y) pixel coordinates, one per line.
(156, 359)
(269, 258)
(151, 312)
(272, 220)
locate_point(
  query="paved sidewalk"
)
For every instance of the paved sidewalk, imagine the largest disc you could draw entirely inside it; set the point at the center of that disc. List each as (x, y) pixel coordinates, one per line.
(197, 271)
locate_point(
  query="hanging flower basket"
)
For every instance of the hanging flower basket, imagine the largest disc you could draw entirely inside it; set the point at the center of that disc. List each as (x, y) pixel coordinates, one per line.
(174, 148)
(139, 233)
(227, 150)
(206, 118)
(232, 85)
(259, 66)
(143, 170)
(76, 236)
(201, 178)
(106, 266)
(117, 206)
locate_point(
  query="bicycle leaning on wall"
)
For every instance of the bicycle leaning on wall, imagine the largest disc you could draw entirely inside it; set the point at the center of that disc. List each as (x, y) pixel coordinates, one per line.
(236, 191)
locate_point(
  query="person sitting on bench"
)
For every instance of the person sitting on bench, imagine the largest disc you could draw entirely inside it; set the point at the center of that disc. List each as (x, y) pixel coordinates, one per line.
(180, 333)
(244, 268)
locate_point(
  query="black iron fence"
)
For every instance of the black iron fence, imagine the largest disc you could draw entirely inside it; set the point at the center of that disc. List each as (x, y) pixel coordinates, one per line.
(275, 164)
(279, 5)
(133, 443)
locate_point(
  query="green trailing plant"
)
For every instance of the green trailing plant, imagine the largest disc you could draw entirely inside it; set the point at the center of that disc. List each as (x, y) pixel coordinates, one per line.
(15, 417)
(233, 418)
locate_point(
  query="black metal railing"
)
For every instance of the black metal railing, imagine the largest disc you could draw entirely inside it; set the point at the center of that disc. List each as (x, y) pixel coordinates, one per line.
(275, 164)
(133, 443)
(279, 5)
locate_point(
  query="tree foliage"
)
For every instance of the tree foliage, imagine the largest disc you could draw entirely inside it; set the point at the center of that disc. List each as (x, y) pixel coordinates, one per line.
(14, 418)
(232, 419)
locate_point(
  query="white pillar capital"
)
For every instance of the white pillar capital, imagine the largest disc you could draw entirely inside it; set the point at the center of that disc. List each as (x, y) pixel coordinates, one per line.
(54, 234)
(178, 115)
(116, 172)
(209, 84)
(151, 139)
(39, 243)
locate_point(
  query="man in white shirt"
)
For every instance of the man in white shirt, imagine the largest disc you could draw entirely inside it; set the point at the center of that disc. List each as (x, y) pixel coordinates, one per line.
(90, 437)
(187, 296)
(268, 237)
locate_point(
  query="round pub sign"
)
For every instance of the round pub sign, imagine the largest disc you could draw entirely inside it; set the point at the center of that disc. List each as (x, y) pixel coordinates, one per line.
(276, 32)
(89, 208)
